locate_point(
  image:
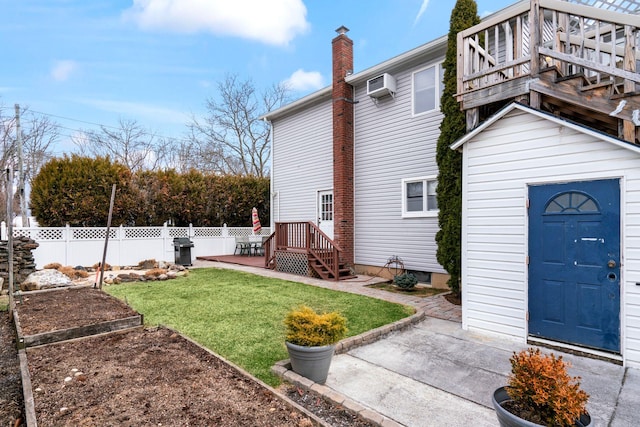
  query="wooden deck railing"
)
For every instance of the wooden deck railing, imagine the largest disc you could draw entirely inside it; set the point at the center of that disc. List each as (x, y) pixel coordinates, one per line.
(307, 237)
(545, 33)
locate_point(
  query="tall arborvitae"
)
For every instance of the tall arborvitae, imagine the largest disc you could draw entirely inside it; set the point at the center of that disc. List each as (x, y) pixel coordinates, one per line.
(453, 126)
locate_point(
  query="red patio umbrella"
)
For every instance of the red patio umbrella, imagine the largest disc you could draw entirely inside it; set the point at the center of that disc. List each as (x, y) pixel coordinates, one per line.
(255, 221)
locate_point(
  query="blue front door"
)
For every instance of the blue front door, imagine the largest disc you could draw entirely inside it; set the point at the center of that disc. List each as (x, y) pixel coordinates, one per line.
(574, 263)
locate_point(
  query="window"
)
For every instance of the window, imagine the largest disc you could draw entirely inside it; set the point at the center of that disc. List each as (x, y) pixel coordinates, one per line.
(427, 87)
(571, 202)
(419, 197)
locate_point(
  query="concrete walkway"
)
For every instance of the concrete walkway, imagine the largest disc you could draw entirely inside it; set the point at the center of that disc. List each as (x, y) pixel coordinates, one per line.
(427, 371)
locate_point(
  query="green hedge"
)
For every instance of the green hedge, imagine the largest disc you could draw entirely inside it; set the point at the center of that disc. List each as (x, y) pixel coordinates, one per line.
(76, 191)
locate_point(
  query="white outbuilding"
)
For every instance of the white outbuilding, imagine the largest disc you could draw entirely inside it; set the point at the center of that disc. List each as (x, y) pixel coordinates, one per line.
(551, 234)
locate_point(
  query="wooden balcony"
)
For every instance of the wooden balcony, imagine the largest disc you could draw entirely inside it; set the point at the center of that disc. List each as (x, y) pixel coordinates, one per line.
(575, 61)
(302, 248)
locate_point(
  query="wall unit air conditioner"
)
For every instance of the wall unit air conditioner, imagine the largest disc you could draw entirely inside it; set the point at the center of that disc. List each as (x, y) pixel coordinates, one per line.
(381, 86)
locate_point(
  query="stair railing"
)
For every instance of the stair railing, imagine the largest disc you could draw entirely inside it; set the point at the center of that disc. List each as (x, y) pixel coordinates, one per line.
(303, 236)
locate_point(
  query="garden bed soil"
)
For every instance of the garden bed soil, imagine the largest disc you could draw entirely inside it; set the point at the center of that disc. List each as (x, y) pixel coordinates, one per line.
(11, 403)
(148, 377)
(65, 308)
(143, 376)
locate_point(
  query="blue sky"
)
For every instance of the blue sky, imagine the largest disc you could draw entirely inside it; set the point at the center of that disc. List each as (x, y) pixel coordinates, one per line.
(157, 61)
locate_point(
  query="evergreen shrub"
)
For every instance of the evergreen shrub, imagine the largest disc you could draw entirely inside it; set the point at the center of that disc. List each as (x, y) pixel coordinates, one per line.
(305, 327)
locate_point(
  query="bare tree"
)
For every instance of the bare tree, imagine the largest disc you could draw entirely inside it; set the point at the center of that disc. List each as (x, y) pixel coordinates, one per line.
(39, 133)
(183, 155)
(129, 144)
(39, 136)
(231, 139)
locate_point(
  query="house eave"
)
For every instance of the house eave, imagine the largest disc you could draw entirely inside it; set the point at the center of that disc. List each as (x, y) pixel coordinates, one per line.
(312, 98)
(547, 116)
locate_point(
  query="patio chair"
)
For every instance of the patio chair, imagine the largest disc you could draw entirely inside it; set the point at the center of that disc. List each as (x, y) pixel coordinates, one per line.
(243, 245)
(258, 247)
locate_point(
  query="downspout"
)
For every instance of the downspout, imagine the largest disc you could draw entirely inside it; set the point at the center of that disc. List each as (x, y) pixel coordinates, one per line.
(273, 195)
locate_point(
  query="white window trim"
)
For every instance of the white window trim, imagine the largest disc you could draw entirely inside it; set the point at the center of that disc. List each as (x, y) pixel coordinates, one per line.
(439, 76)
(417, 214)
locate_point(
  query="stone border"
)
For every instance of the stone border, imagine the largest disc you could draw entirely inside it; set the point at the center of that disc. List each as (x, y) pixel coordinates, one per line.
(283, 370)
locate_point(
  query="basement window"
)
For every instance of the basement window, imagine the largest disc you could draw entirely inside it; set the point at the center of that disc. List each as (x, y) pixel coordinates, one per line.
(419, 197)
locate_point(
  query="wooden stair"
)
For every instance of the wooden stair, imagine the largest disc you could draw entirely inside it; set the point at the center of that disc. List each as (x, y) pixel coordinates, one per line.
(344, 272)
(320, 254)
(578, 98)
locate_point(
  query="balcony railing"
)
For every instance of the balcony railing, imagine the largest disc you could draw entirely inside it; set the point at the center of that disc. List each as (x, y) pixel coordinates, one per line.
(497, 58)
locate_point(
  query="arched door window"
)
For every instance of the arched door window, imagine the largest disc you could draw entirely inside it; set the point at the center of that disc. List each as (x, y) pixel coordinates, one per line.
(571, 202)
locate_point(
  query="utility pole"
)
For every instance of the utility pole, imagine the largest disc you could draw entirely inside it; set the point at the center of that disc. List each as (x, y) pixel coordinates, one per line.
(10, 235)
(23, 200)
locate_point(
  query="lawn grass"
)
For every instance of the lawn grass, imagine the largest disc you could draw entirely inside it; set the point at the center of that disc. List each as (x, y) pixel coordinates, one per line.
(240, 315)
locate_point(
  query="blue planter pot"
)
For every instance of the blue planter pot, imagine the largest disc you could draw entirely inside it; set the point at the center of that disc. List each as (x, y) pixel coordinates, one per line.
(507, 419)
(311, 362)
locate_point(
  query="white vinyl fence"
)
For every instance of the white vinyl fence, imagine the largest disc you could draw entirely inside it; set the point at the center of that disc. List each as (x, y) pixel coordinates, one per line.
(127, 245)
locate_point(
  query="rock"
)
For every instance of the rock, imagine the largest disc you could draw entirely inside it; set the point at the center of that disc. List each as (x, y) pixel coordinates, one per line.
(79, 268)
(148, 264)
(130, 277)
(162, 277)
(164, 265)
(45, 279)
(172, 274)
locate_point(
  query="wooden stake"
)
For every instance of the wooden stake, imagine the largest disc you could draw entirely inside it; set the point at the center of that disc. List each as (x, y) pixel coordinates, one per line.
(106, 239)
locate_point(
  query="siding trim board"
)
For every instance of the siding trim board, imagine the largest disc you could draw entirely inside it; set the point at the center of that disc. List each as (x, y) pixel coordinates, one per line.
(495, 294)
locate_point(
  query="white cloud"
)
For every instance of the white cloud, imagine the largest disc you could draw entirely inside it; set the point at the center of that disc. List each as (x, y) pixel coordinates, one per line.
(62, 70)
(274, 22)
(305, 80)
(423, 9)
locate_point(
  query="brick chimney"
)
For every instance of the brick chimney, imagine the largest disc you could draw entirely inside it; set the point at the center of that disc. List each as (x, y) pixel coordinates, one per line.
(342, 95)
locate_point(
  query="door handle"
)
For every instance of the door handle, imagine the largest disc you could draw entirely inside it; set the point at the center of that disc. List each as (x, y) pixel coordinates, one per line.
(611, 264)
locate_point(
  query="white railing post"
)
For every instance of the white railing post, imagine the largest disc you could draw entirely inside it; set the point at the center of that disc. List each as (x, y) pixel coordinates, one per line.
(67, 235)
(3, 231)
(166, 241)
(120, 236)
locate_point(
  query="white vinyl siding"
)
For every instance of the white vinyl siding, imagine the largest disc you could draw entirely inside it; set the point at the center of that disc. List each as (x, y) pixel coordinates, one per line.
(498, 164)
(391, 145)
(302, 162)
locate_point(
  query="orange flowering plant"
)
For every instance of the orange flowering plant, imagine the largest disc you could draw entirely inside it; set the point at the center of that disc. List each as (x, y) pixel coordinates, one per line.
(541, 390)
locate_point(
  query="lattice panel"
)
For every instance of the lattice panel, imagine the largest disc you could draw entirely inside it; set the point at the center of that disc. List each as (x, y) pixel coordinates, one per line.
(178, 231)
(292, 262)
(207, 232)
(21, 233)
(245, 232)
(142, 232)
(46, 234)
(93, 233)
